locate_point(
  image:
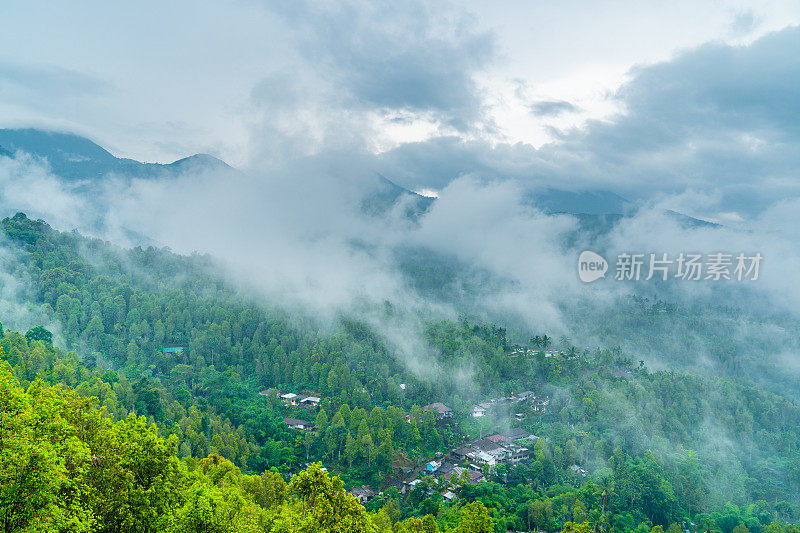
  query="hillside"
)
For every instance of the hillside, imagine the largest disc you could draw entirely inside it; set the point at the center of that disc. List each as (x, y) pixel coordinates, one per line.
(67, 466)
(160, 335)
(74, 157)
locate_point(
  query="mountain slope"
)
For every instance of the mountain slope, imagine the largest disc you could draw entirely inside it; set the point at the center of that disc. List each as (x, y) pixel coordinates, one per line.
(77, 158)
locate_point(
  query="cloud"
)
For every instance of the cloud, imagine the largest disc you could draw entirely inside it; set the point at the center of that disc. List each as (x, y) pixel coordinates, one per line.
(26, 184)
(713, 118)
(716, 118)
(552, 108)
(361, 76)
(48, 81)
(705, 133)
(402, 56)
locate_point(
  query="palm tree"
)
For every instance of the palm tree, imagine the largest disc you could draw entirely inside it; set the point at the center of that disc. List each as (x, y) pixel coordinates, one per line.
(572, 352)
(604, 489)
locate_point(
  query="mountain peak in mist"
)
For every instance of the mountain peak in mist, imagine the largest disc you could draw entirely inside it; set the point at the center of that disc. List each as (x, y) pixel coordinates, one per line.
(75, 157)
(387, 194)
(589, 202)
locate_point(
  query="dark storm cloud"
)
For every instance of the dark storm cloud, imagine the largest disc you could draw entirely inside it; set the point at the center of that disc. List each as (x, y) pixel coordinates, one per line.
(717, 118)
(408, 56)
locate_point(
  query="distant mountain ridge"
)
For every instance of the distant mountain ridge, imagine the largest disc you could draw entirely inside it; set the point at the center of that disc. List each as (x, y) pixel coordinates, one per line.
(388, 194)
(74, 157)
(592, 202)
(81, 160)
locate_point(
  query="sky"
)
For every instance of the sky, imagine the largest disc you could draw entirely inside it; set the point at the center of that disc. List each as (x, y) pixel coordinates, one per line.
(158, 81)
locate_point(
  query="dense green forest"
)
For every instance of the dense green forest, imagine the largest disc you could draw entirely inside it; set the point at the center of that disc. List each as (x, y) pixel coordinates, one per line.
(662, 450)
(67, 467)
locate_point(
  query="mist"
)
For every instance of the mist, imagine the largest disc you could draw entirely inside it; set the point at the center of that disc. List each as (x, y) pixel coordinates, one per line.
(291, 227)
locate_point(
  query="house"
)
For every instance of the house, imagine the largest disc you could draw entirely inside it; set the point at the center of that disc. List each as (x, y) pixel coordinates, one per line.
(457, 471)
(483, 458)
(475, 476)
(520, 349)
(498, 439)
(525, 396)
(519, 416)
(289, 398)
(486, 445)
(445, 470)
(540, 405)
(364, 493)
(487, 452)
(478, 411)
(461, 453)
(410, 485)
(442, 411)
(309, 401)
(295, 423)
(449, 496)
(431, 467)
(578, 470)
(172, 349)
(518, 453)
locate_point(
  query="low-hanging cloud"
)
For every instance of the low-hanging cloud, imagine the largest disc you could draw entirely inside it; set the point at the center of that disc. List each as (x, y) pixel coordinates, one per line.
(293, 229)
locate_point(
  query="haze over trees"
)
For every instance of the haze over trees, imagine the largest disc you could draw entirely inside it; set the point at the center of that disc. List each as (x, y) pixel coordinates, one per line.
(175, 359)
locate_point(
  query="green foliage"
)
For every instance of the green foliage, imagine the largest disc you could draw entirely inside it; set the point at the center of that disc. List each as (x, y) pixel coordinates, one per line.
(39, 333)
(654, 442)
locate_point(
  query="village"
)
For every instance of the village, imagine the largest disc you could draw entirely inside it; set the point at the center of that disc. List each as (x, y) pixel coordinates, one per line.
(471, 461)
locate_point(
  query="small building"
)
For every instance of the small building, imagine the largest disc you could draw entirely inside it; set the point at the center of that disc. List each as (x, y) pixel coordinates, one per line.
(578, 470)
(289, 398)
(540, 404)
(483, 457)
(518, 453)
(295, 423)
(172, 349)
(519, 416)
(433, 466)
(486, 445)
(309, 401)
(449, 496)
(441, 410)
(445, 470)
(461, 453)
(364, 493)
(475, 476)
(410, 485)
(478, 411)
(525, 396)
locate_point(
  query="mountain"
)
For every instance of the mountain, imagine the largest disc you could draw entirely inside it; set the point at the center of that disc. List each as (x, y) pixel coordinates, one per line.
(387, 194)
(74, 157)
(78, 159)
(579, 202)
